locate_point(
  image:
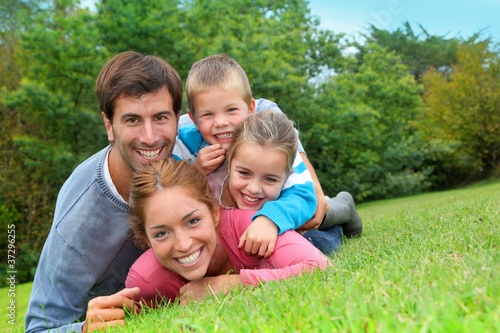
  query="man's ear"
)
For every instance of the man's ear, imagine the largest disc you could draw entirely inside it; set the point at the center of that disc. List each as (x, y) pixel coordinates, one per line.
(177, 123)
(193, 118)
(252, 107)
(109, 128)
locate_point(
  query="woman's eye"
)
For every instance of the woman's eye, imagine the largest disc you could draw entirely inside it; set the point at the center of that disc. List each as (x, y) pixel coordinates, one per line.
(193, 221)
(160, 234)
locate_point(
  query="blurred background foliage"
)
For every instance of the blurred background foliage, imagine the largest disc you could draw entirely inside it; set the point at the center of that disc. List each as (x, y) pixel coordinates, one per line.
(401, 113)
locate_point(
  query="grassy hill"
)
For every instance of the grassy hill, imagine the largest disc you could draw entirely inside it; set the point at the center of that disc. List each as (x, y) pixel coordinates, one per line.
(424, 263)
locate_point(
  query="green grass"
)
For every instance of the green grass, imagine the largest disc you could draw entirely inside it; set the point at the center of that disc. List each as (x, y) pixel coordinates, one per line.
(22, 295)
(426, 263)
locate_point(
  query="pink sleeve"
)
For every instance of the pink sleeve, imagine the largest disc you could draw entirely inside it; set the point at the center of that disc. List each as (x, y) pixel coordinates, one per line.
(157, 283)
(293, 255)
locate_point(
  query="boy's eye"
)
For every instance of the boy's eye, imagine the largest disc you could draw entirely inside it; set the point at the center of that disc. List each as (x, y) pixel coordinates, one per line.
(271, 180)
(231, 109)
(208, 114)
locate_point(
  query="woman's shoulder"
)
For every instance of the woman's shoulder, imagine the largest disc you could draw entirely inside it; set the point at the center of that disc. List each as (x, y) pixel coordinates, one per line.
(236, 220)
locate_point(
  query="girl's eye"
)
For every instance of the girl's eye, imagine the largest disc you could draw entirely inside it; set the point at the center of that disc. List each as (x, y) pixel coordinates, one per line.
(244, 173)
(271, 180)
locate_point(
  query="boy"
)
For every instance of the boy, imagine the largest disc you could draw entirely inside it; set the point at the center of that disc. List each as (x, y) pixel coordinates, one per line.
(219, 98)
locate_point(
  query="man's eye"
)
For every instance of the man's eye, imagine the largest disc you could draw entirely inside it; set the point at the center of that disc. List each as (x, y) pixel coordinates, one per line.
(132, 120)
(161, 118)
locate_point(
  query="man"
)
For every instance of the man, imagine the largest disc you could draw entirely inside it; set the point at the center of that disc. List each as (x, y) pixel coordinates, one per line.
(89, 251)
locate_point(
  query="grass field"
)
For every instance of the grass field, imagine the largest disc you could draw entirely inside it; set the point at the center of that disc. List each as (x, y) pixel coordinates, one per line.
(425, 263)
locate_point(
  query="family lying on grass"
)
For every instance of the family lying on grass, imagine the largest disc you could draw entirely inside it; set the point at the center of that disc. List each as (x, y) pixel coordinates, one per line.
(236, 157)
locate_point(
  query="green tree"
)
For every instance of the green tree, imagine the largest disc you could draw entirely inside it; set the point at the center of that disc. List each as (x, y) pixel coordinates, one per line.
(419, 52)
(465, 106)
(57, 120)
(278, 43)
(363, 139)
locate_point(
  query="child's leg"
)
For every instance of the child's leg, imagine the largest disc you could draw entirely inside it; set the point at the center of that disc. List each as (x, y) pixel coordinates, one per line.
(342, 212)
(327, 241)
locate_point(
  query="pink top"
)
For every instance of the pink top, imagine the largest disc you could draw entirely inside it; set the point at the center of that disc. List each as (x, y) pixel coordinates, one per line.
(293, 255)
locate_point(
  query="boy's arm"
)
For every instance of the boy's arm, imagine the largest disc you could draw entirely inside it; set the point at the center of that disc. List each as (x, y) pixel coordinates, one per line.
(188, 146)
(262, 104)
(209, 158)
(322, 206)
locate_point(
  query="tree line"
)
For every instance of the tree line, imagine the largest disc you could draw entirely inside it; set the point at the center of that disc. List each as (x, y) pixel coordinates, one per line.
(405, 112)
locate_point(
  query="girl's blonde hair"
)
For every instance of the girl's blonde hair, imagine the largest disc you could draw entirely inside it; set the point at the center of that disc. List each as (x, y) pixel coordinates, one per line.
(269, 129)
(161, 175)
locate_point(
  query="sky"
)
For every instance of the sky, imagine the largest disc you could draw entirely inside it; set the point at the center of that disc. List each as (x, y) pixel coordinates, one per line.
(439, 17)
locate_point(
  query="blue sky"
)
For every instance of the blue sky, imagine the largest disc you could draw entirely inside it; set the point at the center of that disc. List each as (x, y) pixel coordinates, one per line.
(438, 17)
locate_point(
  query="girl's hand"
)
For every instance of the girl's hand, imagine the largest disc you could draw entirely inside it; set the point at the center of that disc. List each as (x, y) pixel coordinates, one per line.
(210, 285)
(260, 237)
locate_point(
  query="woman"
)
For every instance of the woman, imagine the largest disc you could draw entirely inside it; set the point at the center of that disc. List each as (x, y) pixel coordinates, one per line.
(194, 244)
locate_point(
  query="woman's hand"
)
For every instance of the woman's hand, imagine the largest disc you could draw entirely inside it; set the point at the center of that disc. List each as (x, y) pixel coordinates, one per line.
(210, 285)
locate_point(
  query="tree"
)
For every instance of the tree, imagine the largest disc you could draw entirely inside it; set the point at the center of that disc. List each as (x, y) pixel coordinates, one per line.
(363, 139)
(57, 122)
(419, 52)
(278, 43)
(466, 106)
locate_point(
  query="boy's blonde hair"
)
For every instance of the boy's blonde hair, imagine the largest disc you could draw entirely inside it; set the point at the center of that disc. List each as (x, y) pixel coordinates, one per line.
(268, 129)
(217, 71)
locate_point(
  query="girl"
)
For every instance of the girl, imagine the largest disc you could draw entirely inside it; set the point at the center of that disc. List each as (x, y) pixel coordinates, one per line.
(259, 164)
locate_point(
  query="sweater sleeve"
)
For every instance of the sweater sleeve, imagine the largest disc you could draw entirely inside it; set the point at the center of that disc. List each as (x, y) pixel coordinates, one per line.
(293, 256)
(297, 202)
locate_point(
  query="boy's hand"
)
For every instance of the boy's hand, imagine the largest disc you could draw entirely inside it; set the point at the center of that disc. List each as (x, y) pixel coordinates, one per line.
(318, 216)
(260, 237)
(209, 158)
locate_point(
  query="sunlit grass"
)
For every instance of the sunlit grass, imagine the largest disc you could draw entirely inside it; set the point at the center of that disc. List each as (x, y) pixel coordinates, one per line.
(426, 263)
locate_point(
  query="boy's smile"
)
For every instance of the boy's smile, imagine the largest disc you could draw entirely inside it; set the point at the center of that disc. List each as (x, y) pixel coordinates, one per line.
(218, 112)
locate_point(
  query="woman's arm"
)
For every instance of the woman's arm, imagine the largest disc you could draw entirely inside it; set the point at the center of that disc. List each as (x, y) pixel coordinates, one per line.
(211, 285)
(294, 255)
